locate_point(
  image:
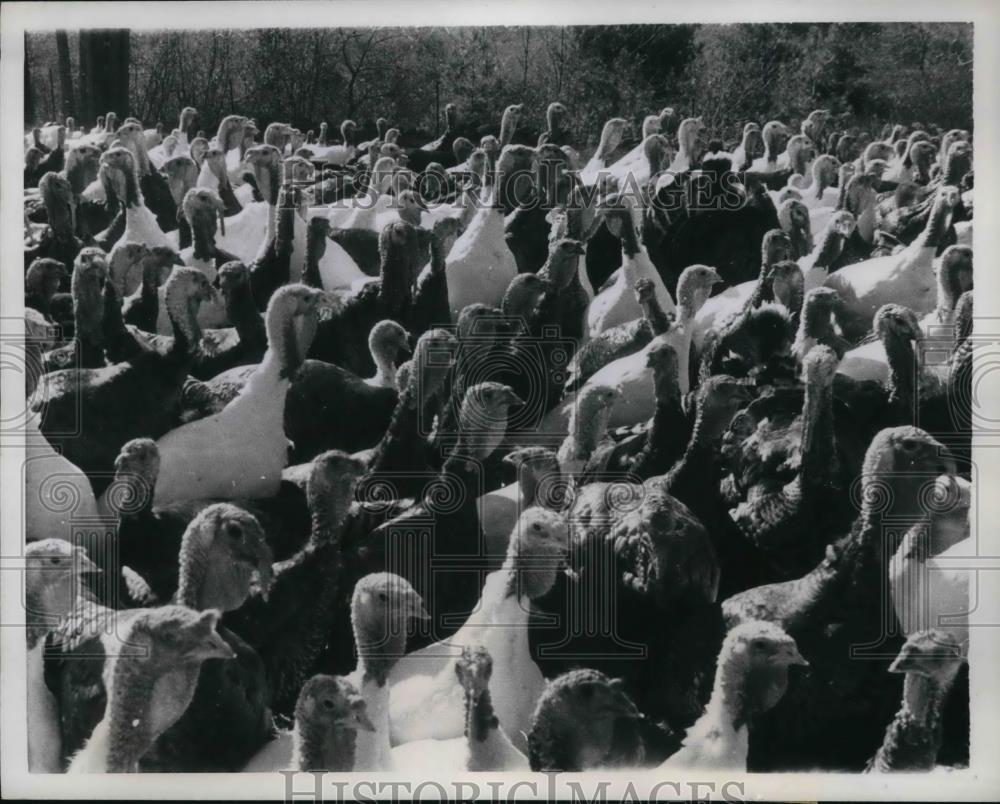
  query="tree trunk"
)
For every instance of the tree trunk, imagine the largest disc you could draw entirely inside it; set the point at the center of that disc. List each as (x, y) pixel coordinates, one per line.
(29, 90)
(87, 108)
(52, 97)
(65, 74)
(104, 68)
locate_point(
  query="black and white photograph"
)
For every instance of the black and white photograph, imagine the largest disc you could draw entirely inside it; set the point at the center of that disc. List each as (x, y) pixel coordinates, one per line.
(460, 401)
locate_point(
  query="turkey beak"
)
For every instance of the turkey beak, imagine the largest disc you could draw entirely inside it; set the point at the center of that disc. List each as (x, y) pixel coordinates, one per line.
(211, 647)
(264, 570)
(511, 459)
(901, 664)
(362, 722)
(404, 345)
(790, 655)
(579, 249)
(84, 566)
(714, 277)
(216, 648)
(947, 466)
(511, 399)
(175, 259)
(415, 608)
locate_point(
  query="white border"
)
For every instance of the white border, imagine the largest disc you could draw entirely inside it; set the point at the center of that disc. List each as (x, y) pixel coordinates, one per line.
(981, 781)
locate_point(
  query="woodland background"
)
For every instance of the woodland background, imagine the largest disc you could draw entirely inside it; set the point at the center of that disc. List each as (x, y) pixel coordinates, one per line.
(871, 72)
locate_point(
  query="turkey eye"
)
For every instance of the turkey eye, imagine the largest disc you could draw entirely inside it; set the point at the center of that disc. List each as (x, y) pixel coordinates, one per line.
(328, 704)
(53, 561)
(234, 531)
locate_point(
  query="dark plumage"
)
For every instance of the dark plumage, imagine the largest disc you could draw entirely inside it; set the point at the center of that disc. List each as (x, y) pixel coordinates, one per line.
(835, 716)
(289, 628)
(86, 348)
(728, 239)
(342, 339)
(619, 341)
(142, 307)
(328, 407)
(127, 400)
(43, 281)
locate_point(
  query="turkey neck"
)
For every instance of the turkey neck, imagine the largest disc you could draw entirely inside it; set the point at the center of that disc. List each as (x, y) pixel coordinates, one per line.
(529, 483)
(182, 310)
(937, 226)
(130, 700)
(242, 312)
(326, 511)
(609, 142)
(814, 327)
(480, 721)
(506, 129)
(203, 232)
(729, 693)
(315, 249)
(396, 287)
(288, 339)
(745, 147)
(80, 172)
(663, 426)
(403, 435)
(268, 182)
(686, 141)
(150, 275)
(698, 459)
(830, 249)
(842, 197)
(653, 313)
(60, 214)
(88, 316)
(385, 368)
(284, 215)
(955, 169)
(630, 240)
(42, 606)
(798, 162)
(143, 165)
(218, 167)
(317, 748)
(762, 292)
(819, 184)
(817, 435)
(948, 290)
(587, 429)
(439, 253)
(690, 299)
(184, 239)
(136, 482)
(924, 698)
(133, 195)
(902, 366)
(379, 645)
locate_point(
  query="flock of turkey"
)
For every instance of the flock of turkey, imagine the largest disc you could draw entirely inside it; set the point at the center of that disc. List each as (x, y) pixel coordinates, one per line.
(406, 462)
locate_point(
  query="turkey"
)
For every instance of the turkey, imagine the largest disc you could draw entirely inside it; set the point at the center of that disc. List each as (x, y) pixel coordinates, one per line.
(502, 399)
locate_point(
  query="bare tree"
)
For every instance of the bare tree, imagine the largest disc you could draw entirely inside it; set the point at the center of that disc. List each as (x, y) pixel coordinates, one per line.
(65, 73)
